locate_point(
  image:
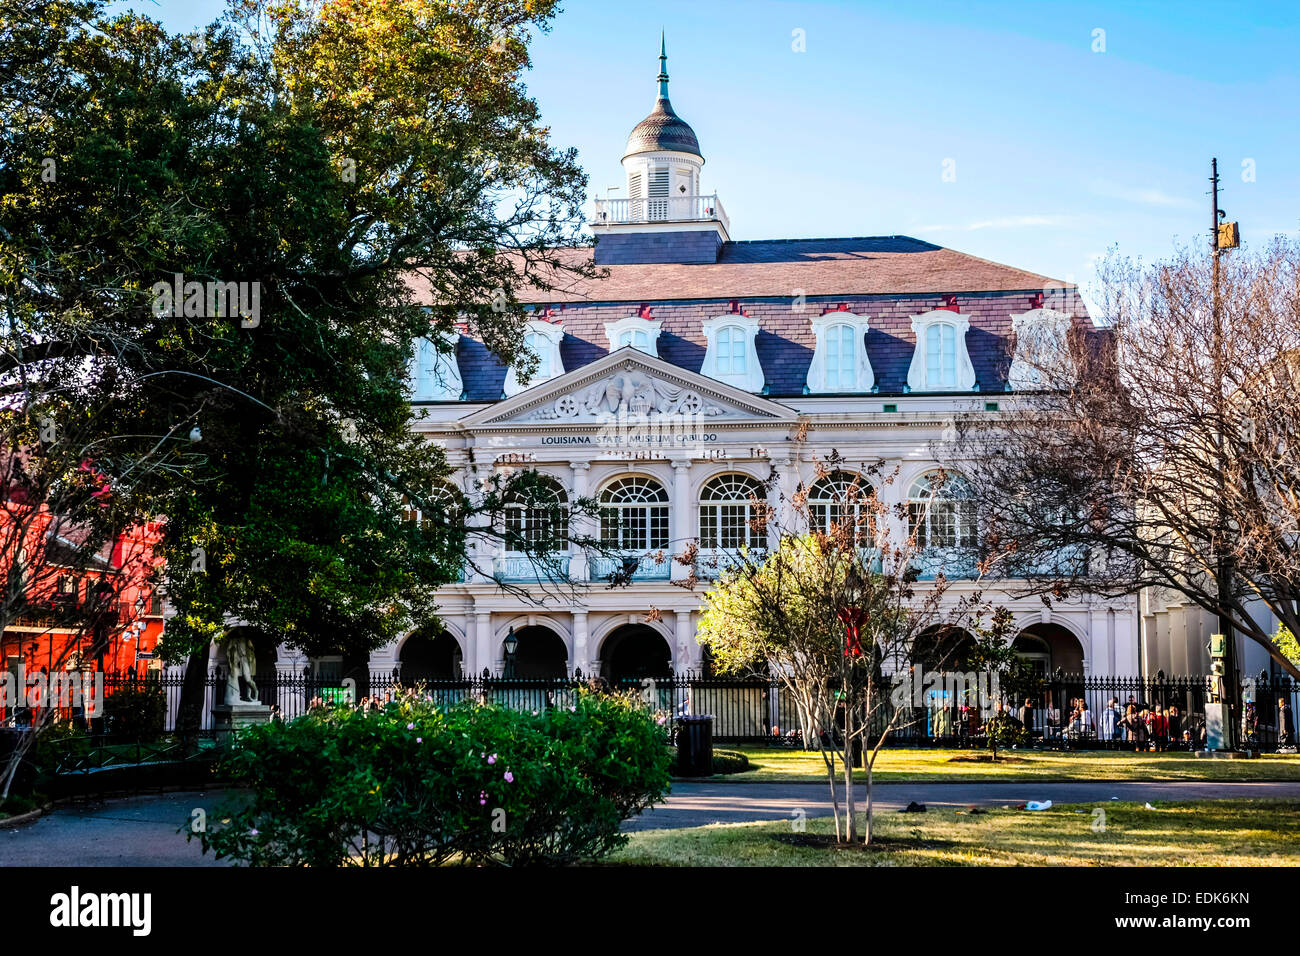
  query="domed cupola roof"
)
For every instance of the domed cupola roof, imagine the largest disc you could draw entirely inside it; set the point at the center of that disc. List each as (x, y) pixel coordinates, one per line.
(662, 129)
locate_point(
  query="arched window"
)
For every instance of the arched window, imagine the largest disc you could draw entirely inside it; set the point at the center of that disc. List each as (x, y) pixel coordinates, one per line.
(729, 505)
(840, 357)
(542, 339)
(842, 499)
(441, 505)
(535, 515)
(732, 345)
(941, 512)
(635, 338)
(434, 374)
(635, 331)
(540, 345)
(941, 361)
(634, 515)
(941, 356)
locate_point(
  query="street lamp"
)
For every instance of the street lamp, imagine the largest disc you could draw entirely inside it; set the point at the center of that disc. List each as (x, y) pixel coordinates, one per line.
(512, 646)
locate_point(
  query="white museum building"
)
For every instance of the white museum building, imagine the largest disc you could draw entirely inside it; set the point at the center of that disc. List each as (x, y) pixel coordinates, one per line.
(698, 367)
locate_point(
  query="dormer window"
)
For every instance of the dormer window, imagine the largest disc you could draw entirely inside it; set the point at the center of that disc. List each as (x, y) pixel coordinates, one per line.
(543, 340)
(434, 374)
(941, 362)
(640, 333)
(730, 356)
(1042, 358)
(731, 350)
(840, 362)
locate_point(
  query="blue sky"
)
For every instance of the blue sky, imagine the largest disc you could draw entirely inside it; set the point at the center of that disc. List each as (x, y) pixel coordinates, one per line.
(1057, 150)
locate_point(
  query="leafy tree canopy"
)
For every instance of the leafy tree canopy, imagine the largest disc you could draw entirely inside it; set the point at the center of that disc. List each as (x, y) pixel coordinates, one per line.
(326, 159)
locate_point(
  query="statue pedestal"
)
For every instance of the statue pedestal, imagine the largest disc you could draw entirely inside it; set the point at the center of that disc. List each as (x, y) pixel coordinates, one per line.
(228, 717)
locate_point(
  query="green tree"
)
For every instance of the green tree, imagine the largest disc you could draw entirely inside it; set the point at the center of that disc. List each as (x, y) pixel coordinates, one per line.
(839, 616)
(377, 173)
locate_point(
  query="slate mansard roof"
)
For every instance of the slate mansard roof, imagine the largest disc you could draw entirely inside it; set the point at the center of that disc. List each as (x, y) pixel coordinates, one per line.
(783, 284)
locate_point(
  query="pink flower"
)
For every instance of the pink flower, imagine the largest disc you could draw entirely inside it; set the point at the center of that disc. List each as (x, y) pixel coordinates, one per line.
(419, 740)
(410, 726)
(482, 798)
(661, 721)
(253, 832)
(510, 777)
(491, 760)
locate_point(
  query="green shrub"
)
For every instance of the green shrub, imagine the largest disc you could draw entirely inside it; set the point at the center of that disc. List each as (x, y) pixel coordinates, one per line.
(729, 761)
(136, 713)
(58, 742)
(413, 784)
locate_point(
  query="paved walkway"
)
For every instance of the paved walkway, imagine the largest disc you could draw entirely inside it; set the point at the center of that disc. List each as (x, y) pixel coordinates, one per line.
(143, 831)
(698, 804)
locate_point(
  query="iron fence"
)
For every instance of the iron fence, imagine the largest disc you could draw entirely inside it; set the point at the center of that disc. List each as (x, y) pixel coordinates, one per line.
(1063, 711)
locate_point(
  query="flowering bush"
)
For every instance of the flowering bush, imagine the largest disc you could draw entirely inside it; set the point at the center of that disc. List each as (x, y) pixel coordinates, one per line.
(413, 784)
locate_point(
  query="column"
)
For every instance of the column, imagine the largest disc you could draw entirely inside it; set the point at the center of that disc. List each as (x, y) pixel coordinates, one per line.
(484, 653)
(1110, 641)
(788, 521)
(580, 652)
(479, 547)
(1178, 642)
(383, 660)
(681, 517)
(582, 526)
(687, 656)
(1095, 652)
(892, 494)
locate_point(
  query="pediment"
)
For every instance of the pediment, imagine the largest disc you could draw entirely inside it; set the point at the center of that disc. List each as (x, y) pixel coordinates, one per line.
(629, 384)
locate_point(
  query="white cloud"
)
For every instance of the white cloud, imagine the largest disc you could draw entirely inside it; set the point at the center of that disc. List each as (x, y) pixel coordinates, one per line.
(1146, 197)
(1005, 222)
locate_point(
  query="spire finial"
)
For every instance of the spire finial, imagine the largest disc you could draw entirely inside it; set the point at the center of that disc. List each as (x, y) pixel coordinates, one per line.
(663, 66)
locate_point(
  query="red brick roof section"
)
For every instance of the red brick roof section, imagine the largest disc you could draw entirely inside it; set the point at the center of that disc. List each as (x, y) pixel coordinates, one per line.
(879, 265)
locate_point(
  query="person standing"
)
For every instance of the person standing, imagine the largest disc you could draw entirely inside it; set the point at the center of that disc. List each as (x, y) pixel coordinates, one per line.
(1285, 730)
(941, 722)
(1027, 715)
(1109, 722)
(1175, 721)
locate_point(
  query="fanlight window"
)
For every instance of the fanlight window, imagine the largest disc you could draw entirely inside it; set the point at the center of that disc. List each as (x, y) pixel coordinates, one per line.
(732, 344)
(941, 512)
(729, 505)
(843, 500)
(536, 518)
(634, 515)
(441, 505)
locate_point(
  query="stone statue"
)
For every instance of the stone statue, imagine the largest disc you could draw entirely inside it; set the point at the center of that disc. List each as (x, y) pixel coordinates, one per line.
(242, 661)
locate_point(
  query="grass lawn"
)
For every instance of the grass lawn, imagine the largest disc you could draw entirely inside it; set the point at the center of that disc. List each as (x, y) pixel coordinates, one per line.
(935, 766)
(1206, 833)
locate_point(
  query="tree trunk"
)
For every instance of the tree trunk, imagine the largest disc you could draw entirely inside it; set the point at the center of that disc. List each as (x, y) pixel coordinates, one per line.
(851, 831)
(189, 713)
(870, 805)
(835, 799)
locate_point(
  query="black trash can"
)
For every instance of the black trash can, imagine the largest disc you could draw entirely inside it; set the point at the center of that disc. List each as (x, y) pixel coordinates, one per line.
(695, 746)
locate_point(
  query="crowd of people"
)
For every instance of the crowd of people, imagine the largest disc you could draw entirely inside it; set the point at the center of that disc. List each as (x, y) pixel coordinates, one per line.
(1134, 725)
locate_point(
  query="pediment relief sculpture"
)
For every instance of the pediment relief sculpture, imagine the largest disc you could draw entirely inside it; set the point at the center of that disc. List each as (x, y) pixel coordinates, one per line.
(627, 393)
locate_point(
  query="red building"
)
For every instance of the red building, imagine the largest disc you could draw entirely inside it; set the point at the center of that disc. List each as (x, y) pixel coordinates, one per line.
(78, 612)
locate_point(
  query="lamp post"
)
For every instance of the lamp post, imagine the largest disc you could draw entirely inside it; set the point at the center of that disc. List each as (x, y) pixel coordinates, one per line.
(512, 647)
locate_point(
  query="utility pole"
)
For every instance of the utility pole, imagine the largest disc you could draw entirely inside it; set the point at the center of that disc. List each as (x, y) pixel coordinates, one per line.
(1224, 564)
